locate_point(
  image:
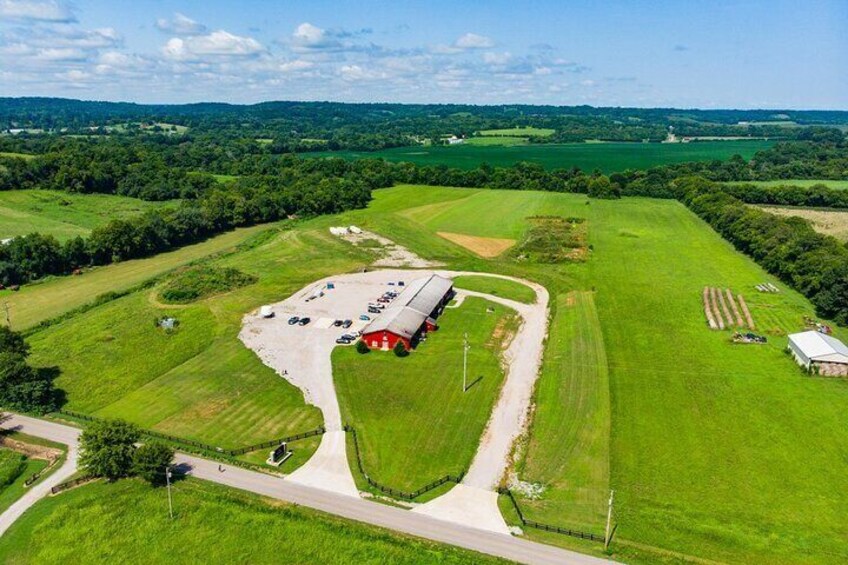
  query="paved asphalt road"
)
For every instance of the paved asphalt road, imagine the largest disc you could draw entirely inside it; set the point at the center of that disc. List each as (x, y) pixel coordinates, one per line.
(397, 519)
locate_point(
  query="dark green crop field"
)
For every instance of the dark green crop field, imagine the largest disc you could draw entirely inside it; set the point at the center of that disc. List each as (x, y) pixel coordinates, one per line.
(608, 157)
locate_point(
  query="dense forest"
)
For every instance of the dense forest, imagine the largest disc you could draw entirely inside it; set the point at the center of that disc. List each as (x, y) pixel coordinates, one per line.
(305, 126)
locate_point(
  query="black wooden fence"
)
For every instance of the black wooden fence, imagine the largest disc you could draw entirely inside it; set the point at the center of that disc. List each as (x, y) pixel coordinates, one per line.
(37, 475)
(395, 492)
(547, 527)
(275, 442)
(205, 446)
(70, 484)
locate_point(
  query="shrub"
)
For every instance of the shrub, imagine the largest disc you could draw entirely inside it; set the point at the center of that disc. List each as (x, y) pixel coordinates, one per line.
(400, 349)
(202, 281)
(150, 461)
(108, 449)
(362, 347)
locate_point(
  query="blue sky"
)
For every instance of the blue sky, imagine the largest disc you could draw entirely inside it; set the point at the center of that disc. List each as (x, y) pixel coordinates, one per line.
(708, 54)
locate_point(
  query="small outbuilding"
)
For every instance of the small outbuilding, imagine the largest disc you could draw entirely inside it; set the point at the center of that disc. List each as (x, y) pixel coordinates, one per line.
(813, 349)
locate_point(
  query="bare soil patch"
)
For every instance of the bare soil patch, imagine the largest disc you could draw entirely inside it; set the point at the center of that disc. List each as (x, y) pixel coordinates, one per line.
(486, 247)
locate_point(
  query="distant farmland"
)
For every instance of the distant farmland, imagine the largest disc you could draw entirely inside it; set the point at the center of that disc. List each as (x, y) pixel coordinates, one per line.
(608, 157)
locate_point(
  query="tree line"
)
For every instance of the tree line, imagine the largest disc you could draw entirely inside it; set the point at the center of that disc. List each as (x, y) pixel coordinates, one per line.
(247, 201)
(816, 265)
(303, 126)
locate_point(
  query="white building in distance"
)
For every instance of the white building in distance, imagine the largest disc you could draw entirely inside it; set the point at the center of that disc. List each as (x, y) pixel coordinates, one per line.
(813, 348)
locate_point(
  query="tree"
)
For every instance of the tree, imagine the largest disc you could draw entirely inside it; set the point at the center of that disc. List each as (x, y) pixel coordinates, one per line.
(400, 349)
(12, 342)
(108, 449)
(601, 187)
(22, 387)
(362, 347)
(150, 461)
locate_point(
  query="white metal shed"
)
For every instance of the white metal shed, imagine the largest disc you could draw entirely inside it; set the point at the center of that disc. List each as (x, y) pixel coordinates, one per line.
(815, 347)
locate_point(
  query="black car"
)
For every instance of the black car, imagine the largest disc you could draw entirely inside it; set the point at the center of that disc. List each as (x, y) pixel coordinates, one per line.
(338, 323)
(293, 320)
(304, 321)
(343, 341)
(347, 323)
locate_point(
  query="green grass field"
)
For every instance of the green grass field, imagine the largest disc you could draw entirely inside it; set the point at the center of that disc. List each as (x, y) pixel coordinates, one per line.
(14, 469)
(568, 450)
(518, 132)
(127, 522)
(414, 422)
(608, 157)
(490, 141)
(715, 450)
(35, 303)
(202, 383)
(61, 214)
(711, 443)
(497, 287)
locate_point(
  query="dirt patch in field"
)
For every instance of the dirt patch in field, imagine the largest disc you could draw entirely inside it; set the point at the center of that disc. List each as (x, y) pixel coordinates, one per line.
(32, 450)
(486, 247)
(387, 252)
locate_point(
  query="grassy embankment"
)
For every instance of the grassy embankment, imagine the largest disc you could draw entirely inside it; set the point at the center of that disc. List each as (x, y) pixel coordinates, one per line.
(497, 287)
(127, 522)
(61, 214)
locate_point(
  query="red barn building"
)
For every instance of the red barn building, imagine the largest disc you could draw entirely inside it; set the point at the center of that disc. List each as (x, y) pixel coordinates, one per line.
(412, 314)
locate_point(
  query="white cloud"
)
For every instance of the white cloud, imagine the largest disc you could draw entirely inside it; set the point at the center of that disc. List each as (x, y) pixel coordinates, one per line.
(296, 65)
(36, 11)
(180, 24)
(473, 41)
(308, 37)
(355, 73)
(216, 44)
(62, 54)
(497, 58)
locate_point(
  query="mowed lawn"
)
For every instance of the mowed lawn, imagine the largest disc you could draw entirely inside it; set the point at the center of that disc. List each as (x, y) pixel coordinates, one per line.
(414, 423)
(497, 287)
(127, 522)
(608, 157)
(61, 214)
(199, 382)
(35, 303)
(15, 468)
(567, 454)
(717, 450)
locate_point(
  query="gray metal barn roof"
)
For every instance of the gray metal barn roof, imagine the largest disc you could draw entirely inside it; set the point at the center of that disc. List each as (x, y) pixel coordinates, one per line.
(412, 307)
(399, 320)
(817, 346)
(424, 295)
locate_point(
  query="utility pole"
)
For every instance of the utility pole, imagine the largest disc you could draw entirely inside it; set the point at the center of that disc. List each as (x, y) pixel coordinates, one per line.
(609, 521)
(465, 348)
(170, 502)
